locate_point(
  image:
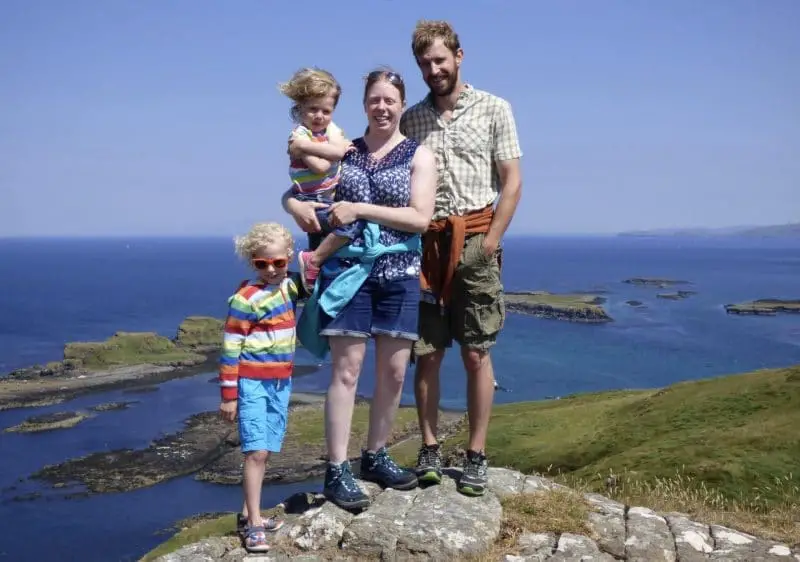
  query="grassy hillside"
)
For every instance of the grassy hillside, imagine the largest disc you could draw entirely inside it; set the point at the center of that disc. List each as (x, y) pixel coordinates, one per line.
(735, 434)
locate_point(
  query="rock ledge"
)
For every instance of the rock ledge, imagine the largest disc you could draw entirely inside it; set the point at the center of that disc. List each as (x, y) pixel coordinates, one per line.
(438, 523)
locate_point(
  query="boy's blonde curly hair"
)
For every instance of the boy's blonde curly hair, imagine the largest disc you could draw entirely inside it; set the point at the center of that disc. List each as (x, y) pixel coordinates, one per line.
(261, 235)
(307, 84)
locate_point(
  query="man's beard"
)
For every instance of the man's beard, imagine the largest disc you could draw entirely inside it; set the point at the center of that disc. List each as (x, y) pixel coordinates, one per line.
(449, 83)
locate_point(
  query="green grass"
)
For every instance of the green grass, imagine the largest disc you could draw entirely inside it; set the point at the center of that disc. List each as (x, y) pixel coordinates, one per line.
(722, 450)
(221, 526)
(735, 434)
(127, 348)
(197, 331)
(564, 301)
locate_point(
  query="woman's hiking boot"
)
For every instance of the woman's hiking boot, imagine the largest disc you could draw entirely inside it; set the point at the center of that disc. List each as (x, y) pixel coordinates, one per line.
(341, 488)
(379, 467)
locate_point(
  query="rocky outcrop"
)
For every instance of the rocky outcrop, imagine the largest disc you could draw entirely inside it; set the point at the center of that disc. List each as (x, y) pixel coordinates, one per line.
(200, 333)
(438, 523)
(676, 296)
(765, 307)
(654, 282)
(573, 307)
(49, 422)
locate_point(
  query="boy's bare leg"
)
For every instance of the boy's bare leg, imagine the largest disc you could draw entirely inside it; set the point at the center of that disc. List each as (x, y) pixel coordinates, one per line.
(254, 464)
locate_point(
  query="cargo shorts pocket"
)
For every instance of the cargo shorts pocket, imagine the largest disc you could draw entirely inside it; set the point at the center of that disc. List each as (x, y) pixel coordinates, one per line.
(482, 323)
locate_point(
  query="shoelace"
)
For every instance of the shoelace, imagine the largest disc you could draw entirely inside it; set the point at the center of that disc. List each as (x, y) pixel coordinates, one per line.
(428, 457)
(475, 466)
(383, 459)
(345, 477)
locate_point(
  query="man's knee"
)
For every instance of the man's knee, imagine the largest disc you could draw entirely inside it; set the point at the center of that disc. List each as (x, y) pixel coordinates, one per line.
(428, 365)
(475, 359)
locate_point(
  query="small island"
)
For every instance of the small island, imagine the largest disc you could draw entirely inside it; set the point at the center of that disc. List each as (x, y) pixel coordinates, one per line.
(49, 422)
(659, 283)
(573, 307)
(676, 296)
(764, 307)
(124, 359)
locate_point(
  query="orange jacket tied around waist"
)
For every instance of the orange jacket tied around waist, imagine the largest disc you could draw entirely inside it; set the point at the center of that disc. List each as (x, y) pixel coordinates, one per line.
(437, 270)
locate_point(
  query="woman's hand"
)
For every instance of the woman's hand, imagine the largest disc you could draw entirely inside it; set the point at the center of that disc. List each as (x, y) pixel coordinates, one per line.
(343, 212)
(304, 214)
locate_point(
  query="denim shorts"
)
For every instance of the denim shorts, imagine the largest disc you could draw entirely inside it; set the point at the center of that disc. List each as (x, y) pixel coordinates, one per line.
(379, 308)
(263, 411)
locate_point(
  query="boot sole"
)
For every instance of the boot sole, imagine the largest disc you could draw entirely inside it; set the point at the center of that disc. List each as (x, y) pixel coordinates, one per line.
(401, 487)
(430, 477)
(357, 504)
(470, 491)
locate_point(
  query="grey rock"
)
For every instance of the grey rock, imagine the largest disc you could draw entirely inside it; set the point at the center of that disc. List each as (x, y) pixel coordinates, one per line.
(578, 547)
(735, 545)
(608, 524)
(536, 483)
(442, 524)
(536, 547)
(693, 541)
(648, 537)
(504, 482)
(375, 531)
(438, 523)
(207, 550)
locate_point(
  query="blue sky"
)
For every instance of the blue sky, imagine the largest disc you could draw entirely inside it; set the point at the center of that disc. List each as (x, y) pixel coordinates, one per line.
(164, 118)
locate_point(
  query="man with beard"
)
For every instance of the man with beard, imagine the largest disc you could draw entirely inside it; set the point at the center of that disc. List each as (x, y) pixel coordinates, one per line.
(474, 137)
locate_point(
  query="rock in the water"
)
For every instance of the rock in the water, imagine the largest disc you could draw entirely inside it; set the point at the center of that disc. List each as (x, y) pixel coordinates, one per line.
(112, 406)
(199, 443)
(49, 422)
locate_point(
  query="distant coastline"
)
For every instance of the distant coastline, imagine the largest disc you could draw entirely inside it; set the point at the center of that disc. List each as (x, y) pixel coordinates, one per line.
(789, 230)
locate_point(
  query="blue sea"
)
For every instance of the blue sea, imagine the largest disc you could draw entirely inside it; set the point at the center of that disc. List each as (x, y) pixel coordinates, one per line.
(60, 290)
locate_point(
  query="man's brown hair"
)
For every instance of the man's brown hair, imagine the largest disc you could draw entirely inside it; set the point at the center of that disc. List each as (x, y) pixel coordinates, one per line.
(428, 31)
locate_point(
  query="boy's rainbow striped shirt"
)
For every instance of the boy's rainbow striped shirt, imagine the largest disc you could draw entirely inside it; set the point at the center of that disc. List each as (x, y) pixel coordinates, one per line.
(259, 336)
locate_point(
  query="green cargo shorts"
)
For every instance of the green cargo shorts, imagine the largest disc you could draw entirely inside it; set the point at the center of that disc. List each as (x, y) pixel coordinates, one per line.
(477, 310)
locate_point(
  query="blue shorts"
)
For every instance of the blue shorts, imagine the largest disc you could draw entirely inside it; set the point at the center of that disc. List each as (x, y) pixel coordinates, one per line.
(379, 308)
(263, 411)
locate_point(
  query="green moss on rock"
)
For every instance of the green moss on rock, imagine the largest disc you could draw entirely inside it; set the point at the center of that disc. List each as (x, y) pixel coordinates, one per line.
(200, 332)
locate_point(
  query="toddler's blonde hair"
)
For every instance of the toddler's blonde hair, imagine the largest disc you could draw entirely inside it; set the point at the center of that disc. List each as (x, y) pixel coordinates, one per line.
(261, 235)
(307, 84)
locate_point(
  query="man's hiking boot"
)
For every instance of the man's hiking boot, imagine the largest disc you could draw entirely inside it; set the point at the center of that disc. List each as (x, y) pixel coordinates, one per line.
(473, 478)
(379, 467)
(429, 464)
(341, 488)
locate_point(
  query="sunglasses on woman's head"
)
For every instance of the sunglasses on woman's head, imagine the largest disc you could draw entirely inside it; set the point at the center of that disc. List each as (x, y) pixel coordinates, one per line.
(391, 77)
(277, 263)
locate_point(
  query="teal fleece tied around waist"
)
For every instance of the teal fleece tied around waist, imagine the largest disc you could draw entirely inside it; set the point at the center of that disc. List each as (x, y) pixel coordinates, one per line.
(345, 286)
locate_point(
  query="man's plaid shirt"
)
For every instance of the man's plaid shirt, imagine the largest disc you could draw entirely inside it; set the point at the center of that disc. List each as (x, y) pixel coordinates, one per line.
(481, 132)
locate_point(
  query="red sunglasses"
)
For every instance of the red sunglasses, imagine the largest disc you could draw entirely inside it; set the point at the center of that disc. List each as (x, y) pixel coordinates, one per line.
(277, 263)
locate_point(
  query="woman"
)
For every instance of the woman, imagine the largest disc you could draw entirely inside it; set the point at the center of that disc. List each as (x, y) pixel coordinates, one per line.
(388, 180)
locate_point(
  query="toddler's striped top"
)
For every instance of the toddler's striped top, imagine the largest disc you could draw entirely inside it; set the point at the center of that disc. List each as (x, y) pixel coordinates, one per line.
(307, 181)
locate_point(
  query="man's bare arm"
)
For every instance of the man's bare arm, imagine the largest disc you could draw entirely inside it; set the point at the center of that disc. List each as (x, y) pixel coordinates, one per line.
(510, 193)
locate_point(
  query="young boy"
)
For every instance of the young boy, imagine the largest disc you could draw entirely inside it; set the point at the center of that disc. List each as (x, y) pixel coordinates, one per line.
(316, 147)
(256, 363)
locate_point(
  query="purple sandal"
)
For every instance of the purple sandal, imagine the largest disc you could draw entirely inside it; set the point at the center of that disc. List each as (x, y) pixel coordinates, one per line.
(255, 540)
